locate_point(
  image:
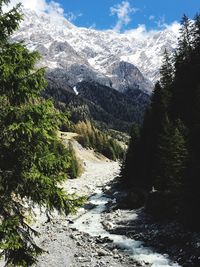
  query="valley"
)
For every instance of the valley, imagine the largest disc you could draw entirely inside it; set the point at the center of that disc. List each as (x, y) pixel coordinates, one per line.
(83, 240)
(99, 140)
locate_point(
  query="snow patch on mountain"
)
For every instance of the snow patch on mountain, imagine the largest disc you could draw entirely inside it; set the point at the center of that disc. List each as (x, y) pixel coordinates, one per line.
(75, 90)
(118, 60)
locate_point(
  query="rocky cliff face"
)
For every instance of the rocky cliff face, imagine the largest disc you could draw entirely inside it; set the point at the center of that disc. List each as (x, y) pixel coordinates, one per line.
(72, 54)
(126, 76)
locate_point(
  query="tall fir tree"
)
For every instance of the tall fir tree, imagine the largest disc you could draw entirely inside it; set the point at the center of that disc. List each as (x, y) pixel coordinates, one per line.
(182, 103)
(172, 157)
(32, 159)
(166, 71)
(196, 33)
(185, 41)
(130, 169)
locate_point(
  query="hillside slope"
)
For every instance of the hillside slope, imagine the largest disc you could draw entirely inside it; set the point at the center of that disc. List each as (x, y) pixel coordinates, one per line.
(101, 104)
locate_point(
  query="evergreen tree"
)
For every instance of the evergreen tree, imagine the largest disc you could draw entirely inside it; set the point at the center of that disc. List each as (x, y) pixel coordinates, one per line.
(172, 157)
(152, 126)
(183, 97)
(137, 161)
(192, 197)
(168, 150)
(185, 41)
(129, 172)
(159, 106)
(166, 71)
(32, 159)
(196, 33)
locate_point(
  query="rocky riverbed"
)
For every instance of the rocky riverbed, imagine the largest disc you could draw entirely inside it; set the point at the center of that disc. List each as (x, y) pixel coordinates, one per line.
(65, 245)
(166, 237)
(170, 238)
(84, 240)
(68, 247)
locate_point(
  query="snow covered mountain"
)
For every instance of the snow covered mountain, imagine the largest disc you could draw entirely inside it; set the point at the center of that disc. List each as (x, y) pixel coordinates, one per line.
(123, 61)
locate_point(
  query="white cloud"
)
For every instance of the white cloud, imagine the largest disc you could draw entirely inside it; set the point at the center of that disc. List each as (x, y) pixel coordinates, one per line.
(72, 16)
(141, 32)
(36, 5)
(53, 8)
(161, 22)
(174, 27)
(123, 12)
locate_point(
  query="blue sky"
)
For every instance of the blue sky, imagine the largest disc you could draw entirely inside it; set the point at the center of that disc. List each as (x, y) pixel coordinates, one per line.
(153, 13)
(120, 15)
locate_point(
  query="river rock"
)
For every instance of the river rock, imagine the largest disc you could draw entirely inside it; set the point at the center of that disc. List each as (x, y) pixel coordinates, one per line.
(108, 225)
(84, 259)
(103, 253)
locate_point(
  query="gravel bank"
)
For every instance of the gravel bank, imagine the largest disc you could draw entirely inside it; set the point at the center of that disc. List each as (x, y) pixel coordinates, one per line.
(67, 247)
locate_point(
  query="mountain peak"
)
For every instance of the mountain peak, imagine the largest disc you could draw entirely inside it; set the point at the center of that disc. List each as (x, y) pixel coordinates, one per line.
(52, 21)
(81, 53)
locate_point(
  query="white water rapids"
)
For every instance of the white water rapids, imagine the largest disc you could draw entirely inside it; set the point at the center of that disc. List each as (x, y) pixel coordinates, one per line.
(90, 223)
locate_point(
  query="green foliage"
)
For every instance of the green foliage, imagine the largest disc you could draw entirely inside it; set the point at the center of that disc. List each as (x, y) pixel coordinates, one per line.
(91, 137)
(9, 21)
(172, 158)
(32, 159)
(166, 71)
(102, 105)
(185, 41)
(168, 150)
(76, 168)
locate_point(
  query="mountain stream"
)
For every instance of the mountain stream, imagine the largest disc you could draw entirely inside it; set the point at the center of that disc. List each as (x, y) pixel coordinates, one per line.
(90, 222)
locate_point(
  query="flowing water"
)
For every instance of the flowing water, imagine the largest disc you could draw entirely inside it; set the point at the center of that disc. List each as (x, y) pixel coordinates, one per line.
(90, 223)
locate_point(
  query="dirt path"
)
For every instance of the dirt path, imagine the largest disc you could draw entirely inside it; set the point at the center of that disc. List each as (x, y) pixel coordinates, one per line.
(98, 172)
